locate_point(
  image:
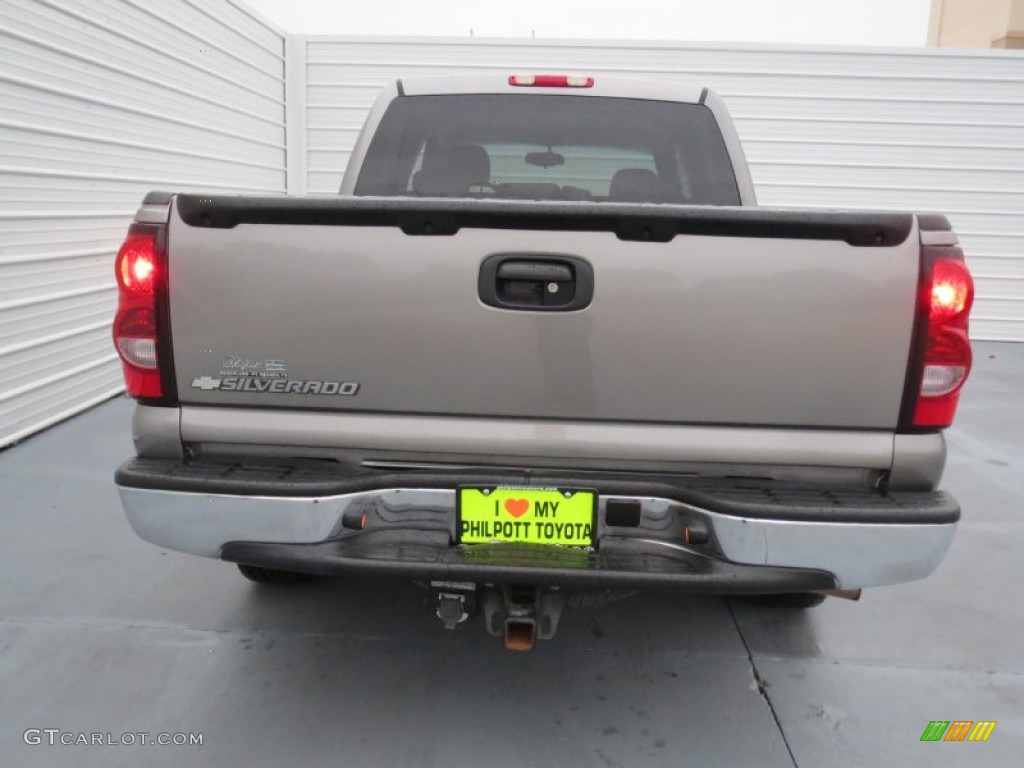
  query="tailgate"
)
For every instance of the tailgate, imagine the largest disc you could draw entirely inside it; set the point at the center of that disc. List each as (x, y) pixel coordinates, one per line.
(742, 317)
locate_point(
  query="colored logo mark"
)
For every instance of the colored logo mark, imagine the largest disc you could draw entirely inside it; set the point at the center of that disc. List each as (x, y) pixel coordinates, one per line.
(958, 730)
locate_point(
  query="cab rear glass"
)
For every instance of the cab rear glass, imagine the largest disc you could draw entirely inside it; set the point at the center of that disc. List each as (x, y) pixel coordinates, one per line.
(547, 147)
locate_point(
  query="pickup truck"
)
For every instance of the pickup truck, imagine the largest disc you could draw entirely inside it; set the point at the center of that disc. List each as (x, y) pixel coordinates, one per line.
(544, 347)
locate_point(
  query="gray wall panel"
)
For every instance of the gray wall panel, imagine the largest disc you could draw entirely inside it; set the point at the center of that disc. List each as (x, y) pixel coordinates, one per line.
(103, 101)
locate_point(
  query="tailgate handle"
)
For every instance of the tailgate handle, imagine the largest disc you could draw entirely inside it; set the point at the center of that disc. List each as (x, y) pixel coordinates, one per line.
(546, 283)
(535, 270)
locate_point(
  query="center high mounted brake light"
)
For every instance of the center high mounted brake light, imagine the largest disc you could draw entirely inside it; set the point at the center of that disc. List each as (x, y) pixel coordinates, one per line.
(551, 81)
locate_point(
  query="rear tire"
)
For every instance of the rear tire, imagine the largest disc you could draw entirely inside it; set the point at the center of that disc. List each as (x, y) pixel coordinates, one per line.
(272, 575)
(791, 600)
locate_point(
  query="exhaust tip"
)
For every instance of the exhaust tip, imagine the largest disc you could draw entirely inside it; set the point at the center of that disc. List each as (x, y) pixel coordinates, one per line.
(845, 594)
(520, 634)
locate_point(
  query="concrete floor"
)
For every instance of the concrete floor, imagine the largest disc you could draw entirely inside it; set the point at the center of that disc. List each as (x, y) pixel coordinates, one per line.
(100, 632)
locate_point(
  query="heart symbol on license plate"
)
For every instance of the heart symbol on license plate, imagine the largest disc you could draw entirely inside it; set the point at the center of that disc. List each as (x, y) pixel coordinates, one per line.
(517, 507)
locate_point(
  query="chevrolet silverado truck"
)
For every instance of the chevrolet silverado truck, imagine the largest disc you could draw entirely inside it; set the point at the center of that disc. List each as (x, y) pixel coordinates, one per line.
(544, 344)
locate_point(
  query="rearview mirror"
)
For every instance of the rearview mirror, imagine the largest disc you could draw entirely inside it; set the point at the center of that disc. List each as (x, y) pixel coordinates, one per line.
(545, 159)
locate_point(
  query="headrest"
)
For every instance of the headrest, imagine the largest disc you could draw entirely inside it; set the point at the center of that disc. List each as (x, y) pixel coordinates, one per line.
(634, 185)
(451, 171)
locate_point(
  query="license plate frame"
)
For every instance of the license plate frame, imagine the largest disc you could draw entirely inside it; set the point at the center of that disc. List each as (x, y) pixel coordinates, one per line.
(537, 524)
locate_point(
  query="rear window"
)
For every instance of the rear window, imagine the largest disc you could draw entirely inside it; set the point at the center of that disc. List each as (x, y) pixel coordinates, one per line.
(534, 147)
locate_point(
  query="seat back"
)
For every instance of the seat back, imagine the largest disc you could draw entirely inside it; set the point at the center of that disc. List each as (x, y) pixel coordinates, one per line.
(452, 171)
(634, 185)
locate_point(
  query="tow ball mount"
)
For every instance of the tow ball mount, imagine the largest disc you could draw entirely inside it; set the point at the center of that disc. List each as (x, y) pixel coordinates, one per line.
(522, 615)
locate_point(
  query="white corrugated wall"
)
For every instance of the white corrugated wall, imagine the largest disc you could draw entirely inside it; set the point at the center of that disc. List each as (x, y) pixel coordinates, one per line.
(102, 101)
(922, 130)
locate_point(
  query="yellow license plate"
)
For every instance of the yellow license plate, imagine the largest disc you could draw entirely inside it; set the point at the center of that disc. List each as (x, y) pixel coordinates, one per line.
(559, 516)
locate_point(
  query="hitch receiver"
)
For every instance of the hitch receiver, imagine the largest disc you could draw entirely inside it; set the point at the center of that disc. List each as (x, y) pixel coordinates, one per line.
(522, 615)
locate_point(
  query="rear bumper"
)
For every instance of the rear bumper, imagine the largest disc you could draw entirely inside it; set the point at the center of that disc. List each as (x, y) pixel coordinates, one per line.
(621, 563)
(761, 537)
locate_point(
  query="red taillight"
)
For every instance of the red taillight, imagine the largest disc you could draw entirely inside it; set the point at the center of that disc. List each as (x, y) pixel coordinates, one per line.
(136, 267)
(947, 295)
(138, 270)
(551, 81)
(952, 290)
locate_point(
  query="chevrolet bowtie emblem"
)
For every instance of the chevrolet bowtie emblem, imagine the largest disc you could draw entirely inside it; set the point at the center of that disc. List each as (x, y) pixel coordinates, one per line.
(206, 382)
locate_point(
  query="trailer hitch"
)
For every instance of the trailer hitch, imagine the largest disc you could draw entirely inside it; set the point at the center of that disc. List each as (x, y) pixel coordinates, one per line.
(522, 615)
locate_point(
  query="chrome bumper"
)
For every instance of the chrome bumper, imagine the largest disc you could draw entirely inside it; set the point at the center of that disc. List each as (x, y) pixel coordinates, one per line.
(857, 554)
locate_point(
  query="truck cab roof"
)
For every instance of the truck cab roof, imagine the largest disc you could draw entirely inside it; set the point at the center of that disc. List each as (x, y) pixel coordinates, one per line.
(601, 85)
